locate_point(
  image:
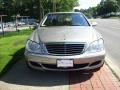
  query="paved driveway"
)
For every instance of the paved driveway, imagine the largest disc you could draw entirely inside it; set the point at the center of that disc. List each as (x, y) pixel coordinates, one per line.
(21, 75)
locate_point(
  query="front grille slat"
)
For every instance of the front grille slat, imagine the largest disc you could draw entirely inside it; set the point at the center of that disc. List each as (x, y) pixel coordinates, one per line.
(65, 49)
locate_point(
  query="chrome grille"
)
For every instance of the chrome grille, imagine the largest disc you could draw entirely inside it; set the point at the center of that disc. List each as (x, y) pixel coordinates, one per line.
(65, 48)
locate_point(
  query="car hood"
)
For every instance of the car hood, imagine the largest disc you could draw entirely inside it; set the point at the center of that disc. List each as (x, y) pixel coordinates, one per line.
(65, 34)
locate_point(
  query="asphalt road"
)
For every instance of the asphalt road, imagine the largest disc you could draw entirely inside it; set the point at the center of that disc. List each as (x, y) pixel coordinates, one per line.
(110, 30)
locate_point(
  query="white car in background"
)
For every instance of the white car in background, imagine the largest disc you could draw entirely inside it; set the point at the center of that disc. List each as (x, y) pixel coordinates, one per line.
(10, 24)
(65, 41)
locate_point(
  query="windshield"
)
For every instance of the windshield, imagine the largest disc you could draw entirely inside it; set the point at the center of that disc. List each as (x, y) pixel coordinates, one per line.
(65, 19)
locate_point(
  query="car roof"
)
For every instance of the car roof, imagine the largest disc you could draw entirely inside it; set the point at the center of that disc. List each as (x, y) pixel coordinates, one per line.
(63, 12)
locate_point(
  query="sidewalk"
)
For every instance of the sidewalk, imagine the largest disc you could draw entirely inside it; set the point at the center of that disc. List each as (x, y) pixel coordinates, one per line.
(99, 80)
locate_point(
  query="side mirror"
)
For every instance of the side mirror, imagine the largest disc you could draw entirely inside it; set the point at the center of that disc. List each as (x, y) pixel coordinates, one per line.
(35, 26)
(94, 24)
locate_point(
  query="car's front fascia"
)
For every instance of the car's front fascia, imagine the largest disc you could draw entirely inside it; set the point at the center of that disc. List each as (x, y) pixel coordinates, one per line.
(92, 56)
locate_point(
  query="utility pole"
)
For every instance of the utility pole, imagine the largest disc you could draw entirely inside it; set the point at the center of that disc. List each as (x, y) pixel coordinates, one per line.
(40, 9)
(54, 5)
(16, 22)
(2, 27)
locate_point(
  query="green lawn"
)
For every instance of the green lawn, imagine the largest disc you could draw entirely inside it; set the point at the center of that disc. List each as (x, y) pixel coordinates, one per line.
(12, 48)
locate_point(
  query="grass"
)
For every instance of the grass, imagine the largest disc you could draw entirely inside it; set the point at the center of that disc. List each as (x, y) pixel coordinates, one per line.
(12, 48)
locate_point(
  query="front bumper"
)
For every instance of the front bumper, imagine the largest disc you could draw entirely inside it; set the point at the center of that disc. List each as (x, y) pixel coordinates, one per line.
(81, 62)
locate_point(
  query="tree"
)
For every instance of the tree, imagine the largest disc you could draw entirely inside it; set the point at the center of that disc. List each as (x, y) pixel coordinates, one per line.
(1, 6)
(90, 12)
(35, 8)
(118, 1)
(1, 3)
(104, 9)
(107, 6)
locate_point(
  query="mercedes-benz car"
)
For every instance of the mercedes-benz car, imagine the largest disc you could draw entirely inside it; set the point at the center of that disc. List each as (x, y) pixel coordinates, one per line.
(65, 41)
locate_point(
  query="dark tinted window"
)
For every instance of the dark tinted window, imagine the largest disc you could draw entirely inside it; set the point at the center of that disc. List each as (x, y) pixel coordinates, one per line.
(66, 19)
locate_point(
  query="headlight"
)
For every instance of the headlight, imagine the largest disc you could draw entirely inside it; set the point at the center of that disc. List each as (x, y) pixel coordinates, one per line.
(34, 47)
(96, 46)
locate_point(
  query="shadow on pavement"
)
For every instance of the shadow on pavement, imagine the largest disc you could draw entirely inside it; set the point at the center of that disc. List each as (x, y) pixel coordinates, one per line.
(20, 74)
(79, 76)
(15, 57)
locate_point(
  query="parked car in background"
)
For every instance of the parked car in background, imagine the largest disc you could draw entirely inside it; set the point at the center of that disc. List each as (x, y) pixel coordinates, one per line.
(29, 21)
(20, 23)
(65, 41)
(10, 24)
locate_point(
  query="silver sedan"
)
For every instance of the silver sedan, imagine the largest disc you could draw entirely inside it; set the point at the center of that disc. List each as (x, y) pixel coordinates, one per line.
(65, 41)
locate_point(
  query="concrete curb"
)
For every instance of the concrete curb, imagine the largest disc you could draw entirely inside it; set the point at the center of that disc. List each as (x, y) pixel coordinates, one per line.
(7, 86)
(112, 66)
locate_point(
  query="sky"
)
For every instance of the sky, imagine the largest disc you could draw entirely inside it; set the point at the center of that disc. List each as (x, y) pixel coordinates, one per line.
(85, 4)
